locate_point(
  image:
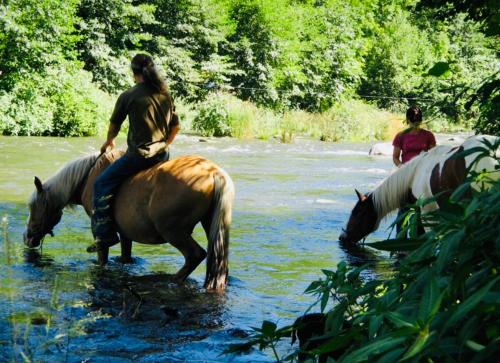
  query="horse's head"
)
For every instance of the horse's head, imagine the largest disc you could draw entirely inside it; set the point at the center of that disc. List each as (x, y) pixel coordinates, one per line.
(363, 220)
(43, 216)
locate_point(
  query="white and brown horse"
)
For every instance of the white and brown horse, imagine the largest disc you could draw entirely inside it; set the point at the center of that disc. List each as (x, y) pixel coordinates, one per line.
(158, 205)
(440, 170)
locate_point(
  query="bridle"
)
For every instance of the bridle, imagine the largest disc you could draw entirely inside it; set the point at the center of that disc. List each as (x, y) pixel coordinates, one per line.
(40, 235)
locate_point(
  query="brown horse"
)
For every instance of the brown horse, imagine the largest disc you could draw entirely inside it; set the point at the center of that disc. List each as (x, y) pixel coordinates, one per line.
(436, 172)
(158, 205)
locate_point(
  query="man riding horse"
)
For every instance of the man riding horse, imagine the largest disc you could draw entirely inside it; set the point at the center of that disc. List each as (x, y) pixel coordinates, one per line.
(153, 125)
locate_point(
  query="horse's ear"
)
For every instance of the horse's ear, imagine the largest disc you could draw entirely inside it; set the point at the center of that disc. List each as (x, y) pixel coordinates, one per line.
(361, 196)
(38, 184)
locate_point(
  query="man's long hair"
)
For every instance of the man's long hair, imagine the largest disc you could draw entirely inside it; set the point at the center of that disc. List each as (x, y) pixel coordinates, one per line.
(143, 64)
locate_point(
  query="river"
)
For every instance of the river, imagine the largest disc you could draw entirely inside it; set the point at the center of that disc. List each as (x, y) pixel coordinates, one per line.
(291, 202)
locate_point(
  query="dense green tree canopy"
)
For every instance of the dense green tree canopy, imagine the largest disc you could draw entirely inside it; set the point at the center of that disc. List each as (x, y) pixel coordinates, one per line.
(279, 54)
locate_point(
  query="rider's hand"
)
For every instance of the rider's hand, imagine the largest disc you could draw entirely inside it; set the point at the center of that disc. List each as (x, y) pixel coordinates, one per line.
(108, 143)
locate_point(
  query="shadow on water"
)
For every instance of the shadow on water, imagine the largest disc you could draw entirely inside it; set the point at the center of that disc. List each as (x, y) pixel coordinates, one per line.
(376, 263)
(36, 257)
(115, 290)
(153, 298)
(359, 255)
(116, 316)
(152, 316)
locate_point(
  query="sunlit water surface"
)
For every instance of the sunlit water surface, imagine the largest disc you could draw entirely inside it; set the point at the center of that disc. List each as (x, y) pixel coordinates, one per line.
(291, 202)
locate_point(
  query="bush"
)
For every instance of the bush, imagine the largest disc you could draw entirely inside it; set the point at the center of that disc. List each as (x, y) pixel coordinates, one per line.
(226, 115)
(441, 305)
(212, 118)
(80, 108)
(62, 103)
(355, 120)
(248, 121)
(26, 110)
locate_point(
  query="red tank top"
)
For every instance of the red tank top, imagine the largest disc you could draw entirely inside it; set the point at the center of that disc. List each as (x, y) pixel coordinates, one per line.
(413, 144)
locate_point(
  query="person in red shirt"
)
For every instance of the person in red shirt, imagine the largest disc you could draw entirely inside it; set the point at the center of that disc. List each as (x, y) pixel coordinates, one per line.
(410, 143)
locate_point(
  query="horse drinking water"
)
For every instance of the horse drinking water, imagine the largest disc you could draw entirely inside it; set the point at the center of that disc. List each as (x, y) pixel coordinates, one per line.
(440, 170)
(158, 205)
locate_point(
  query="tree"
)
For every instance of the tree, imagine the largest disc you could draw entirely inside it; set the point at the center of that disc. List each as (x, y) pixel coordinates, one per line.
(33, 35)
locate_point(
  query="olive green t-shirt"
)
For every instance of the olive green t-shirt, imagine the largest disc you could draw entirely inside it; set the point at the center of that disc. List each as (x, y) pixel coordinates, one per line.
(151, 117)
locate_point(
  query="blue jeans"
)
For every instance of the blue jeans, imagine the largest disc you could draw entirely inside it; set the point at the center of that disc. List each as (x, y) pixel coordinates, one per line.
(105, 188)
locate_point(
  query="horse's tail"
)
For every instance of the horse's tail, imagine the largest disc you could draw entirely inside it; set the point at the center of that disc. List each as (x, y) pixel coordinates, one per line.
(218, 236)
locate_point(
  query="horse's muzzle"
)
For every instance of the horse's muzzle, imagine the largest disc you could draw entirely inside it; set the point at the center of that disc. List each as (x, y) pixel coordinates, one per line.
(343, 237)
(31, 241)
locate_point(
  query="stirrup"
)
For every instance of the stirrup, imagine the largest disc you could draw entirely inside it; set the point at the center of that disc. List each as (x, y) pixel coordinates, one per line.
(101, 244)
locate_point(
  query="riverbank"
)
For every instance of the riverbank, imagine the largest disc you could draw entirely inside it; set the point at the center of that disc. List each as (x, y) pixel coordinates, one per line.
(223, 114)
(347, 121)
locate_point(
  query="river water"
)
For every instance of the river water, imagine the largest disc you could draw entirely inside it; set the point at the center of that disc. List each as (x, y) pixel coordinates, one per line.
(57, 305)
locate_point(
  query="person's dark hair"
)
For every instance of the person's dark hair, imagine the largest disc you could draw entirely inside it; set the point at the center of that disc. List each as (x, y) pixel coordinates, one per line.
(414, 115)
(143, 64)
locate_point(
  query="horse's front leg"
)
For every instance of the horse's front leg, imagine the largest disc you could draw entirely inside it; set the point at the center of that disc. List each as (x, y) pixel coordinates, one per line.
(126, 250)
(102, 256)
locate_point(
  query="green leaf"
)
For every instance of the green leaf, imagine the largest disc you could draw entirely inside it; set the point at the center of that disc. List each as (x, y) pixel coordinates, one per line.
(418, 344)
(378, 346)
(472, 150)
(335, 318)
(486, 355)
(449, 248)
(469, 304)
(354, 274)
(328, 273)
(324, 300)
(439, 69)
(476, 347)
(471, 208)
(391, 356)
(460, 191)
(398, 320)
(431, 300)
(375, 323)
(313, 286)
(268, 328)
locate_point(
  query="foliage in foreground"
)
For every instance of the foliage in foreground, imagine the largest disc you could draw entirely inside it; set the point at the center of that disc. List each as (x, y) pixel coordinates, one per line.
(442, 305)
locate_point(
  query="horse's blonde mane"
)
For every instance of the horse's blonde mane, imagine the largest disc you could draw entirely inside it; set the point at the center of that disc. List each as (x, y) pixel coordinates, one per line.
(63, 184)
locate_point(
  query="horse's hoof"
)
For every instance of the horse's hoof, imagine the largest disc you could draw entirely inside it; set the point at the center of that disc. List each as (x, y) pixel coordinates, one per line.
(92, 248)
(178, 280)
